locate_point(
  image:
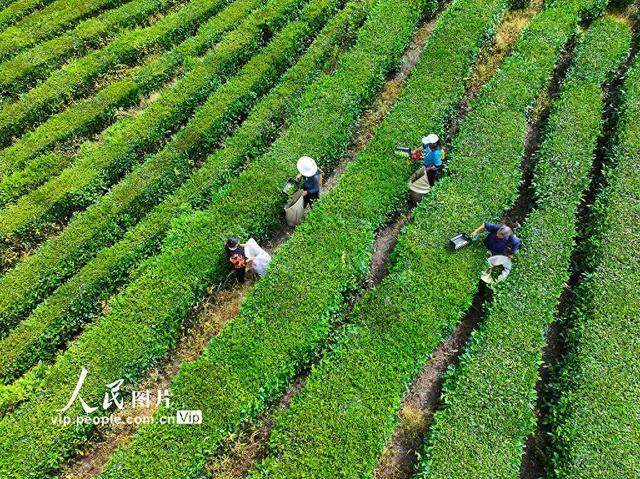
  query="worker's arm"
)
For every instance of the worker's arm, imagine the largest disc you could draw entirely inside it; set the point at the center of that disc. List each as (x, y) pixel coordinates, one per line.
(477, 230)
(418, 150)
(515, 245)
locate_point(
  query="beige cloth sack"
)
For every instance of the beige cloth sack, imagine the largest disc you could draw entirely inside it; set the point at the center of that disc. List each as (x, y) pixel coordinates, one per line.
(294, 210)
(418, 185)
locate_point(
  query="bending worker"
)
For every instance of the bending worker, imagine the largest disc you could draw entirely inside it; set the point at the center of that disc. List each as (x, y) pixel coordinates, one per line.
(237, 257)
(501, 244)
(433, 156)
(312, 179)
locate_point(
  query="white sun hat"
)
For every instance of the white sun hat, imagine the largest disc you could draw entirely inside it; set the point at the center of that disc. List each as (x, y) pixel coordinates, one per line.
(307, 166)
(429, 139)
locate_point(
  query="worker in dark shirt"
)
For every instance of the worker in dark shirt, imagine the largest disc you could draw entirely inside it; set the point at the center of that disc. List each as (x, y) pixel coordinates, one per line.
(308, 169)
(237, 257)
(500, 240)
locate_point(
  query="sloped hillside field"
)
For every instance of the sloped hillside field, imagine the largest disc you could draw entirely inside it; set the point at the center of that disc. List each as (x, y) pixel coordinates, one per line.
(319, 239)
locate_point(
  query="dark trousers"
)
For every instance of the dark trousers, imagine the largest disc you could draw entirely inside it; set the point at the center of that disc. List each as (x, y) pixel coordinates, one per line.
(240, 272)
(309, 198)
(434, 175)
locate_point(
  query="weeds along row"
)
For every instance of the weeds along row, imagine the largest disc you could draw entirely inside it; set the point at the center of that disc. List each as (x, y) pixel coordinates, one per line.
(78, 300)
(78, 77)
(24, 70)
(150, 180)
(128, 340)
(596, 427)
(47, 22)
(489, 398)
(396, 325)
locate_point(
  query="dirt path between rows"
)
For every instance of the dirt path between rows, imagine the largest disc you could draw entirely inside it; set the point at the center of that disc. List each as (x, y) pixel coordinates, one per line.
(210, 316)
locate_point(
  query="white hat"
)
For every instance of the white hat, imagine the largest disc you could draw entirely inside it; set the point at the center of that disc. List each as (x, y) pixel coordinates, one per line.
(429, 139)
(307, 166)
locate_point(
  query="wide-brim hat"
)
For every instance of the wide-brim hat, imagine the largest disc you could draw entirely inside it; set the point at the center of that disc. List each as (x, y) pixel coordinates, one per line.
(307, 166)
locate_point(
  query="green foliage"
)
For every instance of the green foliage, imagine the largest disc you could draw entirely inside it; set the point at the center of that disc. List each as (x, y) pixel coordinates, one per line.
(22, 71)
(106, 221)
(349, 405)
(77, 300)
(127, 340)
(17, 9)
(80, 185)
(77, 77)
(48, 22)
(489, 398)
(597, 421)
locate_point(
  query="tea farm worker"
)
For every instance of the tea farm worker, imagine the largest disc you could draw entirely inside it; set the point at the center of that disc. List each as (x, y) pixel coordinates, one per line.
(433, 156)
(308, 169)
(237, 257)
(500, 240)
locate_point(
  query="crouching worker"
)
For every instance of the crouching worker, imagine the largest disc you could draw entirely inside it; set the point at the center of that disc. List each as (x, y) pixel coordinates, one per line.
(308, 169)
(249, 254)
(501, 245)
(237, 257)
(432, 156)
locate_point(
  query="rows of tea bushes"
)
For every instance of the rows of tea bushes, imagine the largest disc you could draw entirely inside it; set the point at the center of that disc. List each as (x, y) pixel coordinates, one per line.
(127, 340)
(21, 72)
(489, 398)
(126, 143)
(40, 336)
(47, 22)
(14, 10)
(91, 114)
(107, 220)
(341, 420)
(78, 76)
(597, 421)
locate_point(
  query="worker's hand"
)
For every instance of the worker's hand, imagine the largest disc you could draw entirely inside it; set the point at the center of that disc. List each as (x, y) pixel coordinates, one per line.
(474, 237)
(304, 192)
(249, 260)
(510, 256)
(298, 176)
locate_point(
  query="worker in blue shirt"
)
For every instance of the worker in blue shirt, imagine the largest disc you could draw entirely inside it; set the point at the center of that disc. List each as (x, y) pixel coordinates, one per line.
(433, 156)
(500, 240)
(308, 169)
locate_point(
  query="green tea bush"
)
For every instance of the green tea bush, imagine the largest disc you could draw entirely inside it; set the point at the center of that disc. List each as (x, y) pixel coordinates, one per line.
(107, 220)
(596, 425)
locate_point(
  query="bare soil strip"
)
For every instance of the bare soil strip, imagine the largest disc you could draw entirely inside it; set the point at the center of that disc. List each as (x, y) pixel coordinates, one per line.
(208, 318)
(492, 55)
(222, 304)
(535, 460)
(423, 397)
